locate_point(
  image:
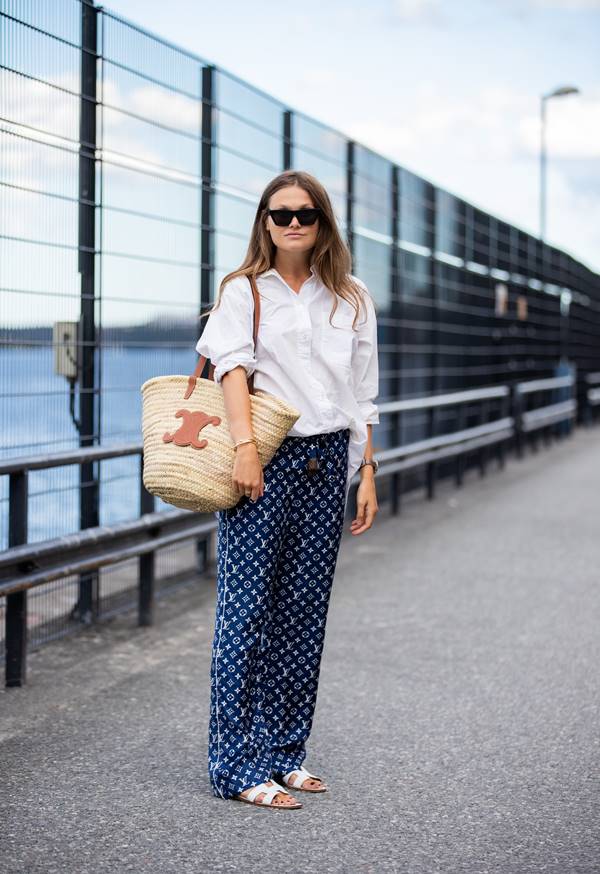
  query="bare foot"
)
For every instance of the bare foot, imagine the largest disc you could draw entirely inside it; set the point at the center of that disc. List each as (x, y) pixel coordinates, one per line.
(280, 799)
(311, 783)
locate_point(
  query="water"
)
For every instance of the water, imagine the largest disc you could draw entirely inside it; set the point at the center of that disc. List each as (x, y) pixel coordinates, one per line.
(35, 420)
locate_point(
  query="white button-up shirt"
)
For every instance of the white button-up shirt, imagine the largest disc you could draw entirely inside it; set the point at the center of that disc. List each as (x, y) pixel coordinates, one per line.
(328, 372)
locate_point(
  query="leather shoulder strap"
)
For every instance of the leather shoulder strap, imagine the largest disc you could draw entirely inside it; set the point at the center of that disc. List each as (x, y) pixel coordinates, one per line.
(256, 299)
(202, 360)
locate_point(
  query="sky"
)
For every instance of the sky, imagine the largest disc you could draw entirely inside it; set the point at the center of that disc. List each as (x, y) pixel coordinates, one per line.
(451, 91)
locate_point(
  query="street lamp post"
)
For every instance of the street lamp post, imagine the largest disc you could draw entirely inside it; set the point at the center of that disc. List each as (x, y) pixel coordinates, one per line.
(558, 92)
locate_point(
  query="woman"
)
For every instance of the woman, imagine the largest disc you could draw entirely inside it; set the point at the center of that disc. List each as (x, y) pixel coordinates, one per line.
(277, 548)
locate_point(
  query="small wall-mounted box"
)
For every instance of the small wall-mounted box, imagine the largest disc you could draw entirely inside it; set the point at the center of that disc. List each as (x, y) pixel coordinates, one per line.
(65, 337)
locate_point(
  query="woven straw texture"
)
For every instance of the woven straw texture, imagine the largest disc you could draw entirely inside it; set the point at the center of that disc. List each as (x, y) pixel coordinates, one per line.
(200, 478)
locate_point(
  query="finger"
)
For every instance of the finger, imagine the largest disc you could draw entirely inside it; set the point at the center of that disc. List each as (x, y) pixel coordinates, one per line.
(363, 522)
(362, 526)
(369, 518)
(360, 512)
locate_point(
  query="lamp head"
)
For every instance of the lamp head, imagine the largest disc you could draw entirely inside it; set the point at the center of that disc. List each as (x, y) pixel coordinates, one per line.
(562, 91)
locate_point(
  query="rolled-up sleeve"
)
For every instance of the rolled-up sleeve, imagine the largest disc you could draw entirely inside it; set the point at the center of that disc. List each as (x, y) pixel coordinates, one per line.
(365, 364)
(227, 336)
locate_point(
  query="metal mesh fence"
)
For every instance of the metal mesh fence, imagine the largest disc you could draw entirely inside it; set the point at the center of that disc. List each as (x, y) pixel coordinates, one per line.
(130, 170)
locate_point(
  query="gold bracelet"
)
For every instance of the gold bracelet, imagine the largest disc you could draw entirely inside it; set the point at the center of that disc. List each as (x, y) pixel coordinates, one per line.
(246, 440)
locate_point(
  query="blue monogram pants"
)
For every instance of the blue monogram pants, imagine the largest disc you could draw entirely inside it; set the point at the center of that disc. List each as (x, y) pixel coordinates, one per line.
(276, 559)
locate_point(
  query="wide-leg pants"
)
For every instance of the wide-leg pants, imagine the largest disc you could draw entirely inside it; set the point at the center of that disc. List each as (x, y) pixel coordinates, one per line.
(276, 559)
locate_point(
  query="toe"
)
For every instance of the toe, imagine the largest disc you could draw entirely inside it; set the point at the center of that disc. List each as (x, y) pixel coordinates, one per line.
(312, 783)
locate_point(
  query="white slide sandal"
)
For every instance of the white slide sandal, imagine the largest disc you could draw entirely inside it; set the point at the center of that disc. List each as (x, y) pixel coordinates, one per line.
(295, 778)
(270, 793)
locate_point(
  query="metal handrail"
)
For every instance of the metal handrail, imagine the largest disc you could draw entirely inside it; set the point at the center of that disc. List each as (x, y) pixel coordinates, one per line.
(25, 566)
(455, 437)
(32, 564)
(544, 384)
(446, 452)
(459, 397)
(70, 456)
(532, 419)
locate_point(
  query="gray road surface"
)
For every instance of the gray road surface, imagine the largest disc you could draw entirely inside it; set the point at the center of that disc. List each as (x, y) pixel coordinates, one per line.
(457, 720)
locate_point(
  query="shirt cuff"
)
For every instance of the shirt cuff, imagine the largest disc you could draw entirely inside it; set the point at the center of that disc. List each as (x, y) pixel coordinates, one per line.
(369, 411)
(226, 364)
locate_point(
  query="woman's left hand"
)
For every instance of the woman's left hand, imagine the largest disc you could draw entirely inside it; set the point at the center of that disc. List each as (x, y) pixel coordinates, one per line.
(366, 504)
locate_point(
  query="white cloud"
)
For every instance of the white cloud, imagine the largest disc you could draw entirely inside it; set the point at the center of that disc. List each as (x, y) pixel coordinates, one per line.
(497, 122)
(435, 12)
(570, 5)
(572, 128)
(413, 10)
(487, 151)
(166, 107)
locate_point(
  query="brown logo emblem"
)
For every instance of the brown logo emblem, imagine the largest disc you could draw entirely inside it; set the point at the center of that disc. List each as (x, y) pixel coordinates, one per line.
(187, 433)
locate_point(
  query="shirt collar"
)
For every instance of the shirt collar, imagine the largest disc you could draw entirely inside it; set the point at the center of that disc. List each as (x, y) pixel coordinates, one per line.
(273, 272)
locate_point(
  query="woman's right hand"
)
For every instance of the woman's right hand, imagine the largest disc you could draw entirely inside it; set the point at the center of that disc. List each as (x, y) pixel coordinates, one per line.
(247, 475)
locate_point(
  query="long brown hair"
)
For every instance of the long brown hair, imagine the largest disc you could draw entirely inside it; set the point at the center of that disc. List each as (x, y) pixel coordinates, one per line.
(330, 255)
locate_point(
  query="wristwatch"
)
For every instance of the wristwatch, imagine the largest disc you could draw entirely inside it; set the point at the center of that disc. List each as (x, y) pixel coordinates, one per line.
(373, 462)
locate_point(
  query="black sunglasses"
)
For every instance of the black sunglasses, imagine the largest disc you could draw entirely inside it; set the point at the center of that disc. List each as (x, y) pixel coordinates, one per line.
(283, 217)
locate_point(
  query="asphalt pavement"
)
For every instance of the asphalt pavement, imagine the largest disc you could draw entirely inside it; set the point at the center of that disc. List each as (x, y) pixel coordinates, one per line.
(457, 719)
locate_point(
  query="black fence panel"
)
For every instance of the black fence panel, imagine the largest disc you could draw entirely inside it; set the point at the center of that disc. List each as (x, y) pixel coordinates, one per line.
(130, 170)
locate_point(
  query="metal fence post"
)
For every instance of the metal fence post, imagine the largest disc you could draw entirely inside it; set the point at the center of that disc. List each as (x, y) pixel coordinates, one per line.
(207, 255)
(350, 197)
(483, 418)
(431, 466)
(517, 413)
(287, 138)
(146, 561)
(16, 604)
(87, 604)
(207, 222)
(350, 242)
(459, 468)
(504, 413)
(396, 482)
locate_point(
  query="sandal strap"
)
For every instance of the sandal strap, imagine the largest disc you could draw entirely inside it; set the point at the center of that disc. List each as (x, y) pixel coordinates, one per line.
(296, 778)
(270, 792)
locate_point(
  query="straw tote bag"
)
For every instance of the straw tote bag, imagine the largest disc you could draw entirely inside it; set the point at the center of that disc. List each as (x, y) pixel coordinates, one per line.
(188, 450)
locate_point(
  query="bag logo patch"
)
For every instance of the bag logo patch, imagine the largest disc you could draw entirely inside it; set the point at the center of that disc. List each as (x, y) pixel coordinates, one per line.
(188, 433)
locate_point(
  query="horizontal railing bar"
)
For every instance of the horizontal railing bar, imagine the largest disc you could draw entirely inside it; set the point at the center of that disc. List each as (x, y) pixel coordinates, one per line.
(446, 439)
(102, 559)
(23, 567)
(550, 409)
(593, 378)
(69, 456)
(147, 524)
(31, 564)
(547, 415)
(459, 397)
(444, 452)
(101, 453)
(544, 384)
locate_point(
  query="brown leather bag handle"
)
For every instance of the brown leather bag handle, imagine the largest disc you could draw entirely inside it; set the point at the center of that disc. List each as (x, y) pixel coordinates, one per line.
(203, 359)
